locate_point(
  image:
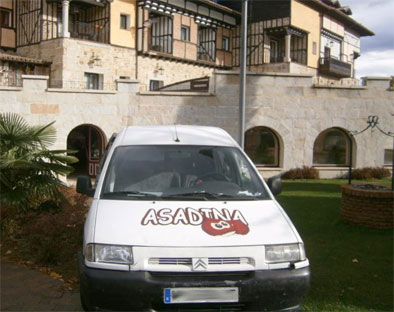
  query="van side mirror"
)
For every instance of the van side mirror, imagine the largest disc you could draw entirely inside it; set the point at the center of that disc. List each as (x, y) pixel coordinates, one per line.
(84, 186)
(275, 185)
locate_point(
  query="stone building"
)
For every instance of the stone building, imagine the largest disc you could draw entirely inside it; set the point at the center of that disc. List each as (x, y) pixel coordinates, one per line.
(90, 44)
(96, 66)
(316, 37)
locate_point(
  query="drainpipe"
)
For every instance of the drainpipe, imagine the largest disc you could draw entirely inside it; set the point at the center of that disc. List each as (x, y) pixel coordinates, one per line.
(244, 36)
(65, 13)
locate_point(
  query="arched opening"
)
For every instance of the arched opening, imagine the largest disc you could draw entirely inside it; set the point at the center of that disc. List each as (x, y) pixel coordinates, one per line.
(332, 148)
(89, 142)
(262, 146)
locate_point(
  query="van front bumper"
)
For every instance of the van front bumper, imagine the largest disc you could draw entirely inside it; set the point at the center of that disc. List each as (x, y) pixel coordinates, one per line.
(267, 290)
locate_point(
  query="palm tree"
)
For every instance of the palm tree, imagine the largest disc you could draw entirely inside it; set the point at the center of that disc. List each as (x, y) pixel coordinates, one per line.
(29, 171)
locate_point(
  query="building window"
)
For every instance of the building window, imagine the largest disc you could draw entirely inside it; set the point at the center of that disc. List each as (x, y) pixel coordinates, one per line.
(93, 81)
(331, 148)
(206, 44)
(314, 48)
(388, 157)
(185, 33)
(299, 48)
(5, 18)
(155, 85)
(161, 33)
(124, 21)
(262, 146)
(226, 43)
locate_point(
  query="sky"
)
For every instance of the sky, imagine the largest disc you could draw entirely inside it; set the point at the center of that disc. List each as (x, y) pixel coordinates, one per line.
(377, 52)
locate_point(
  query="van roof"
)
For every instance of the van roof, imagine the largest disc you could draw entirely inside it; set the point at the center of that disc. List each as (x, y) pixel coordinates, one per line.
(167, 135)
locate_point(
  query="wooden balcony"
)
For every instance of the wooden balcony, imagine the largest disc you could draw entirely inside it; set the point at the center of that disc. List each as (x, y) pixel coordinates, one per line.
(97, 31)
(333, 67)
(100, 3)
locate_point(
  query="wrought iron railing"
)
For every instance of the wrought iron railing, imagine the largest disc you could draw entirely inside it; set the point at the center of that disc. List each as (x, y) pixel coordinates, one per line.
(10, 78)
(80, 85)
(277, 58)
(298, 56)
(162, 44)
(161, 34)
(88, 31)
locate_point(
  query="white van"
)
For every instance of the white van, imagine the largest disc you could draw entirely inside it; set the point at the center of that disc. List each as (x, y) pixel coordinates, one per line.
(181, 220)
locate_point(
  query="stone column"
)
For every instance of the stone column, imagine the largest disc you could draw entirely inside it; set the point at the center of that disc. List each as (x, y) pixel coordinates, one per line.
(65, 10)
(287, 58)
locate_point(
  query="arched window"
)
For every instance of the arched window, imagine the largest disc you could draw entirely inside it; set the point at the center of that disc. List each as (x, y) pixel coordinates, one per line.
(262, 146)
(332, 147)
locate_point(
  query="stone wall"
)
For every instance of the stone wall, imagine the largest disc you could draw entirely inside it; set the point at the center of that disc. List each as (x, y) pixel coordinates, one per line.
(94, 57)
(168, 71)
(48, 51)
(289, 67)
(290, 105)
(109, 110)
(368, 208)
(72, 58)
(299, 111)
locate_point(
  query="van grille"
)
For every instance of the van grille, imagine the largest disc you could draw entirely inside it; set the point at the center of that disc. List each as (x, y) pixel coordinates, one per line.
(233, 260)
(170, 261)
(188, 261)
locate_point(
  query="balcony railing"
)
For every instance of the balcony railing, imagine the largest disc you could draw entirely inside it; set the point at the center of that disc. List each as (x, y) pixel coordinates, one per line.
(334, 67)
(299, 56)
(162, 44)
(88, 31)
(80, 85)
(10, 79)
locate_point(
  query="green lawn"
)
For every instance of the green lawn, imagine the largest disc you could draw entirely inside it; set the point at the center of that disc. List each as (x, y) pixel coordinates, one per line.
(351, 266)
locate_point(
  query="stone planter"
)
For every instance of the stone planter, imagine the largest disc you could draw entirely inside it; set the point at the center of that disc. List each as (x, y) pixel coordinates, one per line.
(370, 208)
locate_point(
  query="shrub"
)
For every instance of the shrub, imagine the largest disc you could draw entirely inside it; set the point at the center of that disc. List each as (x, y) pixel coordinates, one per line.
(301, 173)
(29, 171)
(370, 173)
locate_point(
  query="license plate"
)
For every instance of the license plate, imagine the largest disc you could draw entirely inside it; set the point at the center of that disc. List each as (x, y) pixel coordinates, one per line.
(201, 295)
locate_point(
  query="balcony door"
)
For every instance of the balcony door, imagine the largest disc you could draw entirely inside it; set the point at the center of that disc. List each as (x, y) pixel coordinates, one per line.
(276, 51)
(327, 52)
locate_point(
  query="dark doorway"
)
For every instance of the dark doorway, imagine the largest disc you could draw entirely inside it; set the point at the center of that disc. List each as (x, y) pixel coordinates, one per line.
(89, 142)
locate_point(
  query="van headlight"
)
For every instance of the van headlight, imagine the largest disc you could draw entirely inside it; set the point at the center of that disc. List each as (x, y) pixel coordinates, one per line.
(284, 253)
(108, 253)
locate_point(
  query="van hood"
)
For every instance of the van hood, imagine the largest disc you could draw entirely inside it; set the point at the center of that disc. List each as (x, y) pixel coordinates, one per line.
(192, 224)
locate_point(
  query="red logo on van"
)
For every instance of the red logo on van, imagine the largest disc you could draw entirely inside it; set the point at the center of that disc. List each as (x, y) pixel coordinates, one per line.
(218, 227)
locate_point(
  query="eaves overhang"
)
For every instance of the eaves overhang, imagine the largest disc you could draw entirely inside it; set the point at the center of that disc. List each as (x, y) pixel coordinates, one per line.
(204, 12)
(100, 3)
(339, 16)
(220, 7)
(22, 59)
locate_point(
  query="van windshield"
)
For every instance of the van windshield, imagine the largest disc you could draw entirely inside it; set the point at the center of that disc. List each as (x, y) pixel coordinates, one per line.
(163, 172)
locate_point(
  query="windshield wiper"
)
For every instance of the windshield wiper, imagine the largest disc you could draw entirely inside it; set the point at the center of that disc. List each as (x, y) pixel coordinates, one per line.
(129, 194)
(196, 195)
(208, 196)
